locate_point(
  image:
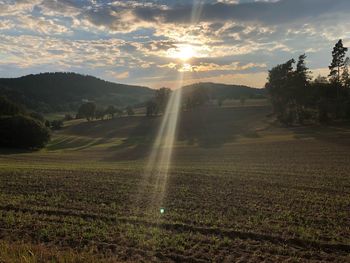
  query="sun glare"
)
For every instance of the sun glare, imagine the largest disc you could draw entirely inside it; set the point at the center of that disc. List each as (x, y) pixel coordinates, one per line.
(184, 52)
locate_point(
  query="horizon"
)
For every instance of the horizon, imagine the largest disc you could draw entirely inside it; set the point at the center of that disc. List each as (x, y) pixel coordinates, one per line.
(150, 43)
(126, 84)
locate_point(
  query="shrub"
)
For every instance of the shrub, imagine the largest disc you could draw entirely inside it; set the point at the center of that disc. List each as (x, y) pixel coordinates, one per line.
(37, 116)
(8, 107)
(130, 111)
(68, 117)
(56, 124)
(22, 132)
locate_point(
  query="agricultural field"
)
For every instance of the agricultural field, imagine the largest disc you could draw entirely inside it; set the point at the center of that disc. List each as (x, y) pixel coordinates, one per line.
(240, 189)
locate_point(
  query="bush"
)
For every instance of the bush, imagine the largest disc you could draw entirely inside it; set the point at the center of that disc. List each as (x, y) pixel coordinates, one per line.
(68, 117)
(37, 116)
(56, 124)
(130, 111)
(8, 107)
(22, 132)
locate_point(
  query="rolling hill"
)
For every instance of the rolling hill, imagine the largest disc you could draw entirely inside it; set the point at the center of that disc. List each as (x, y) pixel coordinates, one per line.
(49, 92)
(225, 91)
(62, 91)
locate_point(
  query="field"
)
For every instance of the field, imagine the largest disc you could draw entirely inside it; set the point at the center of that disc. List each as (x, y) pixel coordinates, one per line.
(240, 189)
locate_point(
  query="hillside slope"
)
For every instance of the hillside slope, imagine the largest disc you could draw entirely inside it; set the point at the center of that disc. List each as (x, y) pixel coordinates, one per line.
(225, 91)
(65, 91)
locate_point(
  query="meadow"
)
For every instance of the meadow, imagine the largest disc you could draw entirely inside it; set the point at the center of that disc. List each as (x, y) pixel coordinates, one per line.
(241, 189)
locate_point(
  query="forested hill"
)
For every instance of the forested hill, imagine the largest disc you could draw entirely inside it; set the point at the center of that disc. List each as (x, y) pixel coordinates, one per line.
(47, 92)
(225, 91)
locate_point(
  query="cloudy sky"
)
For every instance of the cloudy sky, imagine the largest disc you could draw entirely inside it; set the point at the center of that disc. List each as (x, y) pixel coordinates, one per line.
(152, 42)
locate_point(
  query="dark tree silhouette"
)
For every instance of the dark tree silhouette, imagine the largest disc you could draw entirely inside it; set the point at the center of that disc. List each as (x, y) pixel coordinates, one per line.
(87, 110)
(196, 98)
(280, 87)
(8, 107)
(130, 111)
(100, 113)
(152, 108)
(57, 124)
(161, 98)
(345, 77)
(22, 132)
(337, 64)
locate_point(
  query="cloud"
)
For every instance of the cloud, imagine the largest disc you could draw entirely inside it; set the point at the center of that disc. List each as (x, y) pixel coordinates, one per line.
(267, 12)
(131, 40)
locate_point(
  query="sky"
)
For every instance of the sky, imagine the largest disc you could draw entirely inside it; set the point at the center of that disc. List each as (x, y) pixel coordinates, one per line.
(152, 42)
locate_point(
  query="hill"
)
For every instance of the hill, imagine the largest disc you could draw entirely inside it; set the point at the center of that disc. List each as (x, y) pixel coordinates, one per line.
(60, 91)
(225, 91)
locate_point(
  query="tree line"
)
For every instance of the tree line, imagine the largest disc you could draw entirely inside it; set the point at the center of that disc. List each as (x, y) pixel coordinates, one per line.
(90, 111)
(194, 99)
(297, 98)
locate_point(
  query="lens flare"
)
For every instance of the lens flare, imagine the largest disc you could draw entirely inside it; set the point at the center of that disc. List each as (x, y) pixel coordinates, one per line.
(159, 163)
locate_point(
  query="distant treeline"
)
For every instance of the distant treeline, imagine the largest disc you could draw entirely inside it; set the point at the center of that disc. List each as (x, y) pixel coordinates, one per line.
(65, 91)
(90, 111)
(298, 99)
(201, 94)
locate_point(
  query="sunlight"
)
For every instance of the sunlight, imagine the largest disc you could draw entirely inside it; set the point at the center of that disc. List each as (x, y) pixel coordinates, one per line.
(162, 150)
(186, 67)
(183, 52)
(158, 165)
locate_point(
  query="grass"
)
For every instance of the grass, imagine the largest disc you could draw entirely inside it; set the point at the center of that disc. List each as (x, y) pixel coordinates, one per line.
(240, 189)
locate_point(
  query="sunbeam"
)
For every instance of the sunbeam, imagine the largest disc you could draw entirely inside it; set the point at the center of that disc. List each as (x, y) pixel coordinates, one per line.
(159, 162)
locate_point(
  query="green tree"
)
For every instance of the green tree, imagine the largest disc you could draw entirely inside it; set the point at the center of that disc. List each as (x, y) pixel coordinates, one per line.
(7, 107)
(280, 87)
(38, 116)
(100, 113)
(151, 108)
(161, 98)
(337, 64)
(22, 132)
(111, 111)
(130, 111)
(197, 98)
(56, 124)
(87, 110)
(242, 100)
(345, 77)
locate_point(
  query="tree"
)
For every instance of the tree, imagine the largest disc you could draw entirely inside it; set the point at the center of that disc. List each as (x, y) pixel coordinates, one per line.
(37, 116)
(280, 87)
(161, 98)
(301, 83)
(196, 98)
(220, 101)
(68, 117)
(111, 110)
(100, 113)
(22, 132)
(151, 108)
(56, 124)
(87, 110)
(302, 72)
(7, 107)
(337, 64)
(321, 80)
(130, 111)
(345, 77)
(242, 100)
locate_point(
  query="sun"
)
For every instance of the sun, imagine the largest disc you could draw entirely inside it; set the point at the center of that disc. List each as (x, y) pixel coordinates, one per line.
(183, 52)
(186, 52)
